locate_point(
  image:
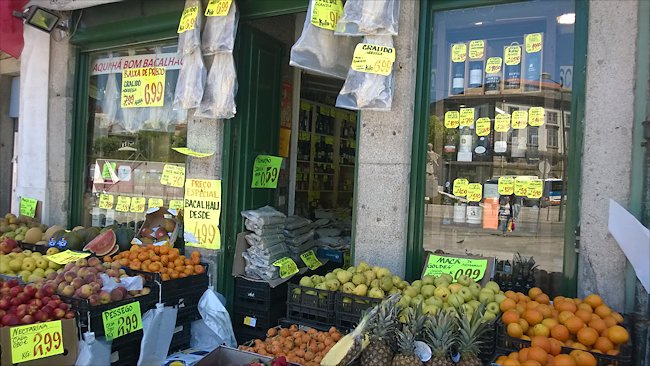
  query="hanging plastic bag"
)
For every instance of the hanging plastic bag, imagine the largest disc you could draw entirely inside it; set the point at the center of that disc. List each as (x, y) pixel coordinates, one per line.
(189, 29)
(364, 90)
(94, 351)
(191, 79)
(158, 329)
(362, 17)
(220, 32)
(110, 101)
(215, 327)
(220, 90)
(320, 51)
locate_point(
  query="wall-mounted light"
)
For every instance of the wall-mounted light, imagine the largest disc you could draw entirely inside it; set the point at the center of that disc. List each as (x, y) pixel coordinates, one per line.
(478, 23)
(39, 18)
(567, 18)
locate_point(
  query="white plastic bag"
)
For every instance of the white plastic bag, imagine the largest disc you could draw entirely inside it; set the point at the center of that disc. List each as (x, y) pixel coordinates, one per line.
(368, 91)
(220, 32)
(191, 79)
(320, 51)
(110, 101)
(158, 329)
(190, 40)
(215, 328)
(220, 90)
(264, 216)
(94, 351)
(363, 17)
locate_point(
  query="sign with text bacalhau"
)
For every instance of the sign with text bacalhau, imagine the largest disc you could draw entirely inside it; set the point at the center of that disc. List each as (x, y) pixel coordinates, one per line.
(202, 210)
(480, 269)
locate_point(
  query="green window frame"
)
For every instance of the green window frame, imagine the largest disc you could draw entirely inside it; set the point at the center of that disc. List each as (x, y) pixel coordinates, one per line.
(415, 252)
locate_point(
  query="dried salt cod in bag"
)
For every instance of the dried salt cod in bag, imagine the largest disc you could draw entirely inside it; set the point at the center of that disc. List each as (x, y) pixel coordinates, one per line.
(364, 90)
(220, 90)
(191, 79)
(363, 17)
(320, 51)
(220, 32)
(189, 28)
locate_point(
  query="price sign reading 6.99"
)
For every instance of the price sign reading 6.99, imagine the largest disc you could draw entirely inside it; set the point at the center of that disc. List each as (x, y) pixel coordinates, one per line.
(34, 341)
(143, 87)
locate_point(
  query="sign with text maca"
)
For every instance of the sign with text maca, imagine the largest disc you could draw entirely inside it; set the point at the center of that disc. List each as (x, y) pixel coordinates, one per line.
(373, 59)
(473, 267)
(34, 341)
(28, 207)
(143, 87)
(266, 171)
(326, 13)
(122, 320)
(202, 210)
(67, 256)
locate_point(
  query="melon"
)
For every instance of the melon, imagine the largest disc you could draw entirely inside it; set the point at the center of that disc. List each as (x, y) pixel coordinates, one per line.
(114, 250)
(102, 244)
(51, 231)
(124, 237)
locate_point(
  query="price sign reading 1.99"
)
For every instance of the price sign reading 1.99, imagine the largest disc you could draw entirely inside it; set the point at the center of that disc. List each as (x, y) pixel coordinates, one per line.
(143, 87)
(202, 209)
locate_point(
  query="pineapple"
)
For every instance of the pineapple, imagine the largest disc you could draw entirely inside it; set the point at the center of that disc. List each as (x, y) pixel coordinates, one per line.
(470, 329)
(348, 348)
(406, 338)
(381, 330)
(441, 334)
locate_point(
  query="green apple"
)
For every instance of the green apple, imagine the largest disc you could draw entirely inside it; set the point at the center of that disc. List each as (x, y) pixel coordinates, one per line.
(441, 293)
(370, 276)
(492, 307)
(489, 316)
(441, 282)
(333, 284)
(475, 303)
(486, 295)
(404, 301)
(396, 280)
(376, 293)
(427, 290)
(463, 280)
(456, 300)
(358, 279)
(306, 282)
(383, 272)
(343, 276)
(316, 279)
(416, 301)
(394, 290)
(475, 290)
(417, 283)
(430, 309)
(386, 283)
(466, 294)
(402, 285)
(411, 291)
(363, 267)
(374, 283)
(498, 298)
(493, 286)
(434, 301)
(428, 280)
(467, 308)
(348, 287)
(337, 270)
(455, 287)
(361, 290)
(330, 276)
(447, 277)
(352, 269)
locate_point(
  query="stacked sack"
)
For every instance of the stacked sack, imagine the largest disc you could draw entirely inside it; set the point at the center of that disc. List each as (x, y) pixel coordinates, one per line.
(266, 242)
(298, 235)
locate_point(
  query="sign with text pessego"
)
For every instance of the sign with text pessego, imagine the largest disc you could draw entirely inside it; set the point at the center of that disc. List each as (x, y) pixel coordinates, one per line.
(143, 87)
(202, 209)
(122, 320)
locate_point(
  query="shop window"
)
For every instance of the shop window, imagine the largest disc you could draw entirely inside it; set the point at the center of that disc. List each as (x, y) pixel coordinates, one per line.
(497, 108)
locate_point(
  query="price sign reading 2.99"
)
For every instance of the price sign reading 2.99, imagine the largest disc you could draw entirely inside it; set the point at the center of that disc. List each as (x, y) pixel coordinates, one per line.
(34, 341)
(122, 320)
(266, 171)
(143, 87)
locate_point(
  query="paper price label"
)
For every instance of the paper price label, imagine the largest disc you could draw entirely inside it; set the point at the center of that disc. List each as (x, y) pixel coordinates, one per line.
(476, 49)
(123, 204)
(304, 136)
(202, 208)
(473, 268)
(122, 320)
(34, 341)
(67, 256)
(521, 186)
(28, 207)
(533, 42)
(535, 188)
(329, 140)
(250, 321)
(176, 204)
(173, 175)
(506, 186)
(466, 116)
(106, 201)
(512, 55)
(519, 120)
(305, 106)
(188, 18)
(266, 171)
(460, 187)
(536, 116)
(483, 126)
(310, 260)
(502, 123)
(108, 170)
(458, 52)
(287, 267)
(137, 204)
(474, 192)
(155, 202)
(493, 65)
(189, 152)
(373, 59)
(218, 8)
(326, 13)
(452, 119)
(143, 87)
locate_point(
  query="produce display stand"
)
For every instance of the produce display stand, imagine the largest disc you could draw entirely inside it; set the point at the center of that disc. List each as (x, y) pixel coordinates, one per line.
(349, 308)
(257, 307)
(67, 358)
(311, 305)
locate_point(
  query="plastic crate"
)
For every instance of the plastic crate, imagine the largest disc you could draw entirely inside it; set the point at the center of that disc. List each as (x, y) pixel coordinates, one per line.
(258, 293)
(181, 338)
(286, 323)
(188, 310)
(172, 291)
(245, 334)
(33, 247)
(350, 308)
(488, 341)
(310, 305)
(126, 350)
(256, 318)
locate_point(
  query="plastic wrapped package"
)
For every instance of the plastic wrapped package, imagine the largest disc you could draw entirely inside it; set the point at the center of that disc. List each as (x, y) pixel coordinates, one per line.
(262, 216)
(220, 32)
(362, 17)
(320, 51)
(221, 87)
(191, 79)
(295, 222)
(190, 40)
(265, 230)
(298, 232)
(328, 232)
(301, 238)
(299, 249)
(368, 91)
(267, 255)
(266, 241)
(214, 328)
(256, 269)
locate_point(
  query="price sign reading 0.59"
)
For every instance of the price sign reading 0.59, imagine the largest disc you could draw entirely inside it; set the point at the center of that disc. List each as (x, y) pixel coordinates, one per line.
(266, 171)
(34, 341)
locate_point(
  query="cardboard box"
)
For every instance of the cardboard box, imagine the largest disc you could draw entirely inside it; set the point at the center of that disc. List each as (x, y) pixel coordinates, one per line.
(70, 344)
(226, 356)
(489, 270)
(154, 218)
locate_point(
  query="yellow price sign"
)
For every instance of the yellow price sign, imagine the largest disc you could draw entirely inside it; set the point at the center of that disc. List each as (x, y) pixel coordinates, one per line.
(123, 204)
(155, 202)
(326, 13)
(373, 59)
(512, 55)
(460, 187)
(176, 204)
(173, 175)
(466, 116)
(287, 267)
(474, 192)
(458, 52)
(305, 106)
(493, 65)
(218, 8)
(452, 119)
(502, 122)
(473, 268)
(304, 136)
(137, 204)
(521, 186)
(519, 120)
(533, 42)
(28, 207)
(122, 320)
(506, 186)
(310, 260)
(67, 256)
(189, 152)
(483, 126)
(535, 188)
(202, 208)
(106, 201)
(536, 116)
(34, 341)
(143, 87)
(476, 49)
(188, 19)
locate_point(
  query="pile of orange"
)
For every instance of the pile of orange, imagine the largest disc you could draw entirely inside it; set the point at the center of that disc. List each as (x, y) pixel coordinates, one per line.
(544, 352)
(584, 324)
(161, 259)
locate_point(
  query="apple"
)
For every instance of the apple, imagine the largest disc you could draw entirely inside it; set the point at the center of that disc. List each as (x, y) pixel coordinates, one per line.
(466, 294)
(464, 280)
(467, 308)
(21, 310)
(456, 300)
(430, 309)
(428, 280)
(441, 293)
(455, 287)
(417, 284)
(433, 300)
(486, 295)
(499, 298)
(493, 286)
(427, 290)
(492, 307)
(488, 316)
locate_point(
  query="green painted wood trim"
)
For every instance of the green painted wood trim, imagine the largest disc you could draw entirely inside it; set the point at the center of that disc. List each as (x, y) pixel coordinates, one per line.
(78, 147)
(254, 9)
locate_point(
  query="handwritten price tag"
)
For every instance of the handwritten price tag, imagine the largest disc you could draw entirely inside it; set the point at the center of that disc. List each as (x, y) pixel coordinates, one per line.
(143, 87)
(466, 116)
(452, 119)
(373, 59)
(202, 207)
(304, 136)
(536, 116)
(310, 260)
(34, 341)
(460, 187)
(188, 18)
(137, 204)
(266, 171)
(189, 152)
(173, 175)
(287, 266)
(502, 122)
(176, 204)
(506, 186)
(218, 8)
(67, 256)
(493, 65)
(28, 206)
(473, 268)
(106, 201)
(122, 320)
(474, 192)
(521, 186)
(326, 13)
(476, 49)
(533, 42)
(483, 126)
(155, 202)
(123, 204)
(458, 52)
(519, 120)
(535, 188)
(512, 55)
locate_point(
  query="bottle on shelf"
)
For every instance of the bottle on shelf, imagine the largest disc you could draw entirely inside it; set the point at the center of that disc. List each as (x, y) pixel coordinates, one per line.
(475, 74)
(465, 145)
(500, 143)
(458, 78)
(449, 149)
(533, 71)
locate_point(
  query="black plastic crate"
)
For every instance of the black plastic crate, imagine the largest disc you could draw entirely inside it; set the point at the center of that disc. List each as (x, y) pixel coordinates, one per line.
(257, 318)
(188, 310)
(310, 305)
(125, 350)
(181, 338)
(258, 293)
(488, 341)
(33, 247)
(244, 334)
(286, 323)
(350, 308)
(172, 291)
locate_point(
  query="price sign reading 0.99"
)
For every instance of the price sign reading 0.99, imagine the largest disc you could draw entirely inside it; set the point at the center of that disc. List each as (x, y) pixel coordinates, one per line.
(373, 59)
(473, 268)
(266, 171)
(34, 341)
(326, 13)
(143, 87)
(218, 8)
(122, 320)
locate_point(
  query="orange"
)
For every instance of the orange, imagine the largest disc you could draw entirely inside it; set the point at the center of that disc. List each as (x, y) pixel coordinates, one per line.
(500, 359)
(594, 301)
(195, 254)
(567, 306)
(164, 249)
(510, 316)
(546, 310)
(522, 298)
(525, 336)
(507, 304)
(531, 363)
(538, 354)
(610, 321)
(617, 316)
(560, 332)
(564, 316)
(511, 295)
(564, 360)
(543, 299)
(599, 325)
(154, 267)
(541, 330)
(587, 336)
(142, 256)
(603, 344)
(521, 307)
(524, 324)
(574, 324)
(195, 260)
(532, 305)
(578, 346)
(182, 275)
(618, 335)
(556, 346)
(523, 354)
(542, 342)
(533, 316)
(534, 292)
(550, 322)
(165, 277)
(585, 359)
(603, 311)
(179, 262)
(198, 269)
(173, 275)
(586, 307)
(613, 352)
(514, 355)
(509, 362)
(515, 330)
(584, 315)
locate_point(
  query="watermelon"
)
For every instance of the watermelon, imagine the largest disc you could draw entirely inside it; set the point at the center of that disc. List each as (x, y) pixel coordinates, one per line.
(102, 244)
(123, 238)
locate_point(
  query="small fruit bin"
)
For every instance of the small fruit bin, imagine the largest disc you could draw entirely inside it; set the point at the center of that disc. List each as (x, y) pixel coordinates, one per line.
(350, 307)
(160, 226)
(173, 291)
(33, 247)
(259, 293)
(255, 320)
(310, 305)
